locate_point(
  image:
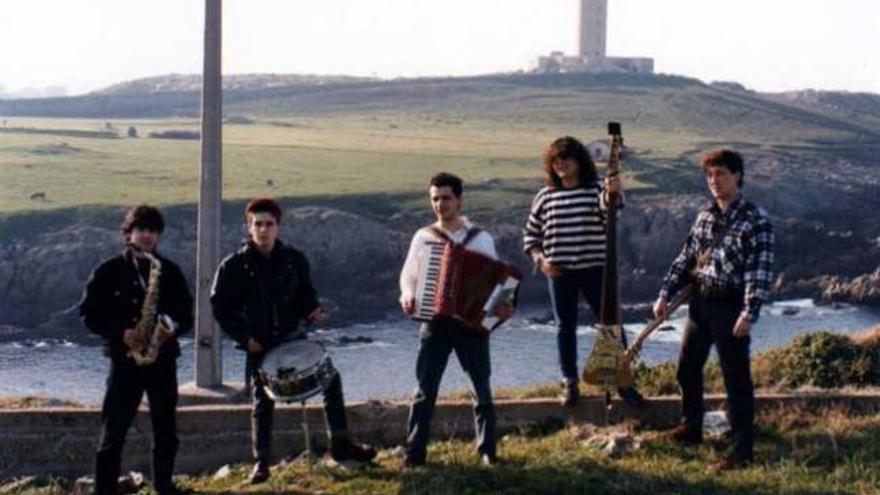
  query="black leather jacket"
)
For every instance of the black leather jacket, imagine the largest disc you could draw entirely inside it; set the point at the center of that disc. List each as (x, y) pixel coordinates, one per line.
(263, 298)
(113, 298)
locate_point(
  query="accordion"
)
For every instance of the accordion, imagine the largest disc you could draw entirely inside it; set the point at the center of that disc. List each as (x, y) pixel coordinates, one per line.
(454, 282)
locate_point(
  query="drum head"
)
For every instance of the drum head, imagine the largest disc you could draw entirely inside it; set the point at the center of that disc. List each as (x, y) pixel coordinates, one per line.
(296, 356)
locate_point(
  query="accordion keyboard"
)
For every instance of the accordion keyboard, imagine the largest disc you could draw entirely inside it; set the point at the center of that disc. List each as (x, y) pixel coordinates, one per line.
(428, 279)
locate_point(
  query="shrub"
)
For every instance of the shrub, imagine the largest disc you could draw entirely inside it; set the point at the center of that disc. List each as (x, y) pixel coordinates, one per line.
(829, 360)
(820, 359)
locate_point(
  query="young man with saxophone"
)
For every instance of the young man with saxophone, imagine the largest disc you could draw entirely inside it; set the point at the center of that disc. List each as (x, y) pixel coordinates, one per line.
(138, 302)
(260, 294)
(728, 256)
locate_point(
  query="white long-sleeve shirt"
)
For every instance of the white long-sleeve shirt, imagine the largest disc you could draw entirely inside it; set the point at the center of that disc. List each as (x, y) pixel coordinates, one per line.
(483, 243)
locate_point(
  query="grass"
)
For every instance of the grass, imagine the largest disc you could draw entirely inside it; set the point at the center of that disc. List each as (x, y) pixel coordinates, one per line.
(388, 138)
(797, 451)
(298, 163)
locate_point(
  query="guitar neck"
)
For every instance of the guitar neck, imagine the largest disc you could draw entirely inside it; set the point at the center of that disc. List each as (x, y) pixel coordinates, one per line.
(610, 313)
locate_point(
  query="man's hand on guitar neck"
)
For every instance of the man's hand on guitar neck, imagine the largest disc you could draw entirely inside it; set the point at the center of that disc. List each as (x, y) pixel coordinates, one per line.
(660, 307)
(613, 185)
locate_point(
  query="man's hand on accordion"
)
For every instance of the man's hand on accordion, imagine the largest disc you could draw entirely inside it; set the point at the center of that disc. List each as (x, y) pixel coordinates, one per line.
(408, 304)
(505, 310)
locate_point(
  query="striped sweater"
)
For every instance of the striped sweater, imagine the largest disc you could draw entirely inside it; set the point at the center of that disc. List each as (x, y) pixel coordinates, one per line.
(569, 227)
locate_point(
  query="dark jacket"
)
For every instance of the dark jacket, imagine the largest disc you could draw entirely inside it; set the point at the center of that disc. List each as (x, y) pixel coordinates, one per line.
(263, 298)
(113, 298)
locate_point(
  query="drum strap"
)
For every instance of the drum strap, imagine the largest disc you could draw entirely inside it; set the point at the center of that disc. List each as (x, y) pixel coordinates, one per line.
(471, 234)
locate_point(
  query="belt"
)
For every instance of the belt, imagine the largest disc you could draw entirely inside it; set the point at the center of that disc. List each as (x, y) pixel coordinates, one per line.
(715, 293)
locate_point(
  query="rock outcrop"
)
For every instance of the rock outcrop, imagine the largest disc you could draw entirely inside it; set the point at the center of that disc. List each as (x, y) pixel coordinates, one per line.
(354, 265)
(864, 289)
(356, 260)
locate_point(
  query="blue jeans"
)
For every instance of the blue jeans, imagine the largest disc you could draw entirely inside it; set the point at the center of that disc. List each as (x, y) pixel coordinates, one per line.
(564, 294)
(437, 340)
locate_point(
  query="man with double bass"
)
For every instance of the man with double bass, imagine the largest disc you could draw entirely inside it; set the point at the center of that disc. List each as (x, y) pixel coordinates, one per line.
(260, 294)
(565, 236)
(139, 303)
(728, 257)
(439, 337)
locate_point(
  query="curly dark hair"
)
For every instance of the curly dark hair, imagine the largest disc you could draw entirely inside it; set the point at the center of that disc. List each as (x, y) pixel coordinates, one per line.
(564, 148)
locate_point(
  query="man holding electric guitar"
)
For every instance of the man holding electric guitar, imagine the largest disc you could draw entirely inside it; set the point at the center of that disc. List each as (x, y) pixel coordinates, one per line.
(728, 261)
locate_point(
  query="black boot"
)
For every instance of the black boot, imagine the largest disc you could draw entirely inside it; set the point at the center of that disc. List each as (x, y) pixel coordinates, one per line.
(570, 392)
(344, 449)
(260, 473)
(632, 397)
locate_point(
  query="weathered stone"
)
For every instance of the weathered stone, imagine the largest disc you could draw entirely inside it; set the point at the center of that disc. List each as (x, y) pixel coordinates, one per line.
(223, 472)
(864, 289)
(62, 441)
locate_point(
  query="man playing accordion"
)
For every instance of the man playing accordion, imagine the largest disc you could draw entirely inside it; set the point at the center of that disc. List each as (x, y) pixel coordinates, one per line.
(442, 335)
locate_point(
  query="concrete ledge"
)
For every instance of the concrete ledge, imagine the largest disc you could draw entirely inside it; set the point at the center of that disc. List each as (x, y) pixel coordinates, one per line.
(62, 441)
(189, 394)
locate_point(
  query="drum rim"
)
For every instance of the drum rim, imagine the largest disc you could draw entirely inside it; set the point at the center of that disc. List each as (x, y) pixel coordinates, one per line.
(312, 372)
(281, 351)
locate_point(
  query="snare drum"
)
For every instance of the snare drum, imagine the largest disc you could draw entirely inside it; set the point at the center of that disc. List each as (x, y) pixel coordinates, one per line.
(295, 371)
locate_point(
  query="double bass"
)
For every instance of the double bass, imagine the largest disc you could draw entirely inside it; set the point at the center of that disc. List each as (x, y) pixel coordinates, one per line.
(607, 366)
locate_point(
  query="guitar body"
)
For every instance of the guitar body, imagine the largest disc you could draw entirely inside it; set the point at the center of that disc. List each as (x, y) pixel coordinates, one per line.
(606, 366)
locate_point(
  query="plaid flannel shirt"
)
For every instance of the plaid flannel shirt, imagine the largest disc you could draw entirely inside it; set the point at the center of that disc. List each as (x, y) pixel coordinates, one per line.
(742, 261)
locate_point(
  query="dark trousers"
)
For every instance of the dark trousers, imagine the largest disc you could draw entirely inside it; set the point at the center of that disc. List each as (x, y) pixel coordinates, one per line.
(712, 321)
(264, 409)
(125, 388)
(565, 291)
(437, 340)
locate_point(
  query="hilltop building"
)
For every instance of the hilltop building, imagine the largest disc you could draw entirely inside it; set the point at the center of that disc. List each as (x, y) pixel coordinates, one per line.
(593, 31)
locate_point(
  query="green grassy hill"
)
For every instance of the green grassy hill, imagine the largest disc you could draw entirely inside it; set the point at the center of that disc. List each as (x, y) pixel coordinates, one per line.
(386, 137)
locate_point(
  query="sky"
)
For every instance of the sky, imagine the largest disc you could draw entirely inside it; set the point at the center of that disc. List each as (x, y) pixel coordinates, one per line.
(767, 45)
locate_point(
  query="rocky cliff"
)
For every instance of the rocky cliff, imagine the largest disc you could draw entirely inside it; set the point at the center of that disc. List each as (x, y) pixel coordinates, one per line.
(356, 260)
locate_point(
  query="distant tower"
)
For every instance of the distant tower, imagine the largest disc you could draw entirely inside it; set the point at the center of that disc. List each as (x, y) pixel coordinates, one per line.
(593, 28)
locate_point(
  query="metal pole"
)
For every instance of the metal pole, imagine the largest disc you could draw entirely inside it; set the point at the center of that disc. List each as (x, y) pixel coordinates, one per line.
(208, 358)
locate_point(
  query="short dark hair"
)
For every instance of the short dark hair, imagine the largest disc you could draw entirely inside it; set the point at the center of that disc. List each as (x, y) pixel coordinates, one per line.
(564, 148)
(729, 159)
(263, 205)
(444, 179)
(143, 217)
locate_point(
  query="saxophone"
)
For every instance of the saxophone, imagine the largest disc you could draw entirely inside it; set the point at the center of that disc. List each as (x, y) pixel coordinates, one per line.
(147, 327)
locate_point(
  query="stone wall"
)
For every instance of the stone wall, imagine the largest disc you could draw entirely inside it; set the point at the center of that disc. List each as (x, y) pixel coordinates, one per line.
(62, 441)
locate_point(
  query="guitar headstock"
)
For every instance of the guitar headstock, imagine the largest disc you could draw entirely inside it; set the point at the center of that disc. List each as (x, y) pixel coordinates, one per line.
(614, 129)
(615, 147)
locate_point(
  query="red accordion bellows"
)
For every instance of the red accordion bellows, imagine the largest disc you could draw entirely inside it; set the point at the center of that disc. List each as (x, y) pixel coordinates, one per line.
(466, 281)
